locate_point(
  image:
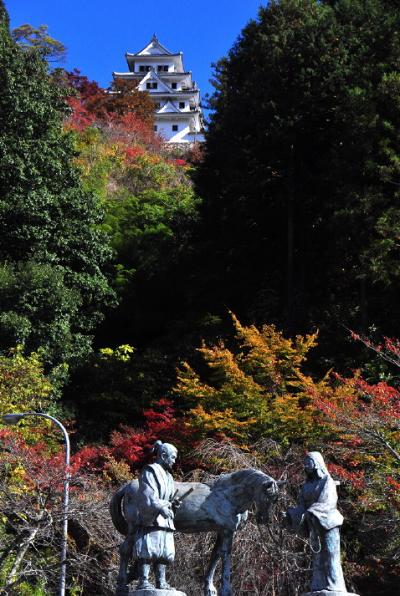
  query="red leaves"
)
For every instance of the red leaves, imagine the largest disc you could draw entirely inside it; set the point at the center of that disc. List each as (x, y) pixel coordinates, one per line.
(131, 153)
(355, 477)
(80, 118)
(134, 445)
(393, 483)
(124, 112)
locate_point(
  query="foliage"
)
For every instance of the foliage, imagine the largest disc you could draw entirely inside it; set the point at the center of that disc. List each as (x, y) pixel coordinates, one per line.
(37, 38)
(151, 216)
(115, 386)
(23, 385)
(52, 253)
(256, 390)
(121, 99)
(366, 419)
(301, 168)
(129, 447)
(31, 487)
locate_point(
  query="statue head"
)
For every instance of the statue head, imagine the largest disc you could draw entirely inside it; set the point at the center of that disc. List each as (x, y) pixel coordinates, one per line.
(314, 464)
(166, 454)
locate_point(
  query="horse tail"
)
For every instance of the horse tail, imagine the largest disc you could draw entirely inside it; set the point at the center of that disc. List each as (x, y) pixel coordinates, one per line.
(116, 512)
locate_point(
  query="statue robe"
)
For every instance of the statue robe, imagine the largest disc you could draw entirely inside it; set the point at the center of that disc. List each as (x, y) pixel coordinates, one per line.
(316, 515)
(154, 540)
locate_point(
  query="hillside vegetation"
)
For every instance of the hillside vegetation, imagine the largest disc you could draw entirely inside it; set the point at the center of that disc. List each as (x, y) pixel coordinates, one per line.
(238, 299)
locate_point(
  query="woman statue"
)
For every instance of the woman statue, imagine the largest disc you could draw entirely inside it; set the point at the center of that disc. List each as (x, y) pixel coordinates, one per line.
(316, 516)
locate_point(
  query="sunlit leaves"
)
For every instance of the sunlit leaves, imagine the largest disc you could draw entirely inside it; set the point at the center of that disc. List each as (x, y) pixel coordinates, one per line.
(254, 390)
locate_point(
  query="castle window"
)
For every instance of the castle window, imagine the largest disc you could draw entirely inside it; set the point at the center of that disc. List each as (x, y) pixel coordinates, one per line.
(175, 128)
(155, 128)
(174, 85)
(181, 105)
(151, 85)
(162, 68)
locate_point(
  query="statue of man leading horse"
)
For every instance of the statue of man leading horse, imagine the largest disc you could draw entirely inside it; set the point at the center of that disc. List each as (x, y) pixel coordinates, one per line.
(148, 510)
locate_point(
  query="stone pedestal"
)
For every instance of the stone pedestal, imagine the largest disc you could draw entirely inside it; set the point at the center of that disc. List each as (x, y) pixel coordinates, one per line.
(328, 593)
(155, 592)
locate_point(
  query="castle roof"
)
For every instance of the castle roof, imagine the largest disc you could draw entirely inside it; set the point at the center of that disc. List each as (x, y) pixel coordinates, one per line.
(169, 108)
(154, 48)
(153, 76)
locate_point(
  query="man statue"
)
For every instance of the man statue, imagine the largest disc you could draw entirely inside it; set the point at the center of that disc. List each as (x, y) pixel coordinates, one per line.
(154, 540)
(317, 517)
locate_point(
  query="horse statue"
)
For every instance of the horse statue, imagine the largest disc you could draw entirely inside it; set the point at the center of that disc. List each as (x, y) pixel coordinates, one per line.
(219, 506)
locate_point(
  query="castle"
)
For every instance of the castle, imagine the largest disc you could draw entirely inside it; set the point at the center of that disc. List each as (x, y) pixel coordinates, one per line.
(178, 116)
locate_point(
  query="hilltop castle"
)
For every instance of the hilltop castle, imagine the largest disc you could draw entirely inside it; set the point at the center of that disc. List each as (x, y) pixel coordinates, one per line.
(178, 115)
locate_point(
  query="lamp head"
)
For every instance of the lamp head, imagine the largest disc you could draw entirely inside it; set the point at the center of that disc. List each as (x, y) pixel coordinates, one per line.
(12, 418)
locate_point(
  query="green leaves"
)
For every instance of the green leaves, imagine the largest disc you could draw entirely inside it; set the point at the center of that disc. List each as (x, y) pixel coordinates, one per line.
(52, 253)
(301, 171)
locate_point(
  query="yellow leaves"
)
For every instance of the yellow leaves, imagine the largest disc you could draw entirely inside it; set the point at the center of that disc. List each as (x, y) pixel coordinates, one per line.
(116, 471)
(16, 479)
(271, 358)
(191, 387)
(23, 384)
(253, 391)
(226, 368)
(220, 421)
(122, 353)
(291, 420)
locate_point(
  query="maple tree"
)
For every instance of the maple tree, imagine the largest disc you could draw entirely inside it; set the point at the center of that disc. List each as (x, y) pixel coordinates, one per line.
(129, 447)
(253, 391)
(365, 418)
(121, 99)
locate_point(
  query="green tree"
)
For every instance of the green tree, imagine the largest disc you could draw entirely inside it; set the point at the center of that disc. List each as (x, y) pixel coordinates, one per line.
(300, 177)
(53, 286)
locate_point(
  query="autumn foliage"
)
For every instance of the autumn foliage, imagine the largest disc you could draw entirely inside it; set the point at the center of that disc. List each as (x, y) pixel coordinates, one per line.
(141, 348)
(121, 99)
(256, 390)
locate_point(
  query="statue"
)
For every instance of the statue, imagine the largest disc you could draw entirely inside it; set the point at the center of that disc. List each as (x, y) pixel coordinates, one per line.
(156, 505)
(220, 506)
(317, 517)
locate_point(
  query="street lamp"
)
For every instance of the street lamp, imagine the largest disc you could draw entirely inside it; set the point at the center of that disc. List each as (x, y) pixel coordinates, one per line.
(14, 419)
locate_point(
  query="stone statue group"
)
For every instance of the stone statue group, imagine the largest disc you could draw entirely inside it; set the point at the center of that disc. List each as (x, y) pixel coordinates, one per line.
(149, 510)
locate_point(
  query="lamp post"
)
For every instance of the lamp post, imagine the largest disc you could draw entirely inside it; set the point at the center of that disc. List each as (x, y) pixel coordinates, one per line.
(14, 419)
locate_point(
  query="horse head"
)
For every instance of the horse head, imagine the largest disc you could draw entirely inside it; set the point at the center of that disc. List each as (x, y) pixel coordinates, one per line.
(266, 498)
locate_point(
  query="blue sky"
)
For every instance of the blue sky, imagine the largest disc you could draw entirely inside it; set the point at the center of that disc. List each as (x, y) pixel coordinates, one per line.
(98, 33)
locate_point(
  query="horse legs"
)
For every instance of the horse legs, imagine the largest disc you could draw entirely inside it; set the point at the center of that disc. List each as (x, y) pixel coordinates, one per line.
(209, 588)
(125, 554)
(226, 550)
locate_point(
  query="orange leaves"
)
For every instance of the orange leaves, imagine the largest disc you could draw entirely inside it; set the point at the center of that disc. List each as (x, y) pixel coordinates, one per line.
(255, 390)
(269, 356)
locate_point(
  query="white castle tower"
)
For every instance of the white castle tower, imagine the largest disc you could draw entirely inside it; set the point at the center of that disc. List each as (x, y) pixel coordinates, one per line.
(178, 116)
